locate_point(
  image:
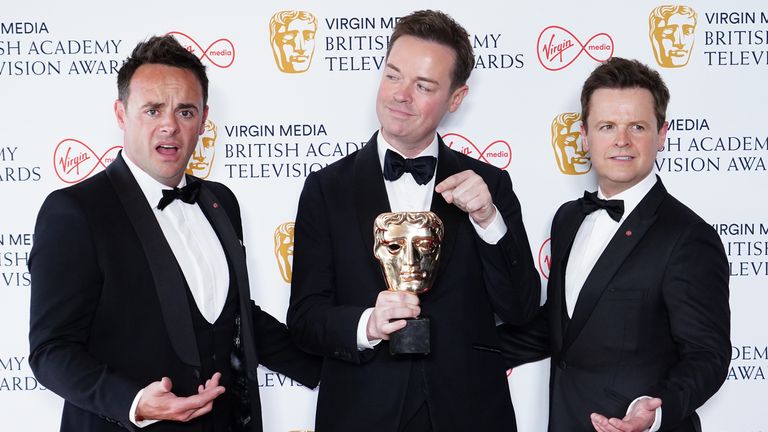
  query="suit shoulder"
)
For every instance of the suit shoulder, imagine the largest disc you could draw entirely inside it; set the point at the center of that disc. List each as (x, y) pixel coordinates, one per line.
(674, 211)
(219, 189)
(91, 190)
(568, 208)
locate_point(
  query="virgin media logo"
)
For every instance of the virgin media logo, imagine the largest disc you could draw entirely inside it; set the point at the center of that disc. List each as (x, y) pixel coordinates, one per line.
(220, 53)
(545, 258)
(74, 161)
(557, 48)
(498, 153)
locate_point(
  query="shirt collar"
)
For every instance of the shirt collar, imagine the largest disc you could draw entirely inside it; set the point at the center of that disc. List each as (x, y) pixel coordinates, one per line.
(633, 195)
(152, 189)
(382, 147)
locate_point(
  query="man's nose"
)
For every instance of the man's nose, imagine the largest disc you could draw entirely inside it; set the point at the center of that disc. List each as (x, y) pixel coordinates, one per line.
(403, 94)
(170, 124)
(622, 137)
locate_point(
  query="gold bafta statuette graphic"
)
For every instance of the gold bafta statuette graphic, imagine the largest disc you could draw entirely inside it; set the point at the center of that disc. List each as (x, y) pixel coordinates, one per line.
(284, 249)
(571, 156)
(672, 32)
(407, 245)
(292, 38)
(202, 158)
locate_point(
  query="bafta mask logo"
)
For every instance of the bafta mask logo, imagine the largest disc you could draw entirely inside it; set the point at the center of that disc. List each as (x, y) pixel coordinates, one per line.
(572, 158)
(292, 37)
(407, 244)
(672, 32)
(202, 159)
(284, 249)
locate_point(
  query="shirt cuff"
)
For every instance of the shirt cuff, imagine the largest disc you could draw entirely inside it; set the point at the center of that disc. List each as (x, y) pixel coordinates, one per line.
(132, 412)
(362, 335)
(495, 230)
(656, 421)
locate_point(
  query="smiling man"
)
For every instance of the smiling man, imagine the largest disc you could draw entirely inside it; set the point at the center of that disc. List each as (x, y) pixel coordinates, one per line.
(339, 304)
(637, 320)
(140, 311)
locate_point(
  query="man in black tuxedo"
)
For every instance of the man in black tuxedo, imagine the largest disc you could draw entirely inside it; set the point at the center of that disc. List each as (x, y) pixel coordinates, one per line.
(637, 320)
(339, 307)
(140, 312)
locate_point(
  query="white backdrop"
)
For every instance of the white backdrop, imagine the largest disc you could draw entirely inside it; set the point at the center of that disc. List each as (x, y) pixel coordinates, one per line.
(57, 86)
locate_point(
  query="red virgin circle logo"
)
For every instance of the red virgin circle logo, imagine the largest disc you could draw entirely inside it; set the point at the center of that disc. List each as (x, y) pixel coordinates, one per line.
(498, 153)
(557, 48)
(220, 53)
(74, 161)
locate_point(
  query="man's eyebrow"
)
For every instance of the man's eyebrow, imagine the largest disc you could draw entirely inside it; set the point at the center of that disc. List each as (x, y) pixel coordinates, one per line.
(418, 78)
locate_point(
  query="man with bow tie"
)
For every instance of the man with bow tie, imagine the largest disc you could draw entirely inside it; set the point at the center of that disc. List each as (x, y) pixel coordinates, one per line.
(637, 319)
(340, 308)
(140, 311)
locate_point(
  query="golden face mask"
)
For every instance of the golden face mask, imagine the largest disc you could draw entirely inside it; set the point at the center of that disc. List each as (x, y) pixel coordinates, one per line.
(407, 245)
(572, 158)
(672, 33)
(292, 37)
(284, 249)
(202, 159)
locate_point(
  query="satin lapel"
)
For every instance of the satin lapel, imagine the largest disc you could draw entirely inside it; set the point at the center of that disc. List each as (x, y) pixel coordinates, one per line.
(166, 273)
(370, 196)
(614, 255)
(572, 218)
(235, 252)
(447, 165)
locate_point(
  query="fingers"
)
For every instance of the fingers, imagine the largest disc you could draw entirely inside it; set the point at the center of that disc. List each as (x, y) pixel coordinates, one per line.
(602, 424)
(468, 191)
(159, 403)
(453, 181)
(387, 317)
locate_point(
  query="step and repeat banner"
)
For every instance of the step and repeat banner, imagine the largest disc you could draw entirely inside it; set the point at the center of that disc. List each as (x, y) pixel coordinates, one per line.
(293, 86)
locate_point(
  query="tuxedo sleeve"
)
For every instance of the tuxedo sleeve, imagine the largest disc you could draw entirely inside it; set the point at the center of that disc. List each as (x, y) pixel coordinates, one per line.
(695, 290)
(510, 277)
(277, 351)
(318, 323)
(66, 286)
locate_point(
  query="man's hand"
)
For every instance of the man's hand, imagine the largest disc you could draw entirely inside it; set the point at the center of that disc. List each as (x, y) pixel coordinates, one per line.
(159, 403)
(391, 305)
(467, 191)
(639, 419)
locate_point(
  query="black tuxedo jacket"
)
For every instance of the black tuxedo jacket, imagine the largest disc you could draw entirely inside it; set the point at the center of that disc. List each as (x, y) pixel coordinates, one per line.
(651, 319)
(109, 309)
(336, 277)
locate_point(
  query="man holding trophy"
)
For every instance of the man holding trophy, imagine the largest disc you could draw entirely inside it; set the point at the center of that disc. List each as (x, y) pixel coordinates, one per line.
(468, 259)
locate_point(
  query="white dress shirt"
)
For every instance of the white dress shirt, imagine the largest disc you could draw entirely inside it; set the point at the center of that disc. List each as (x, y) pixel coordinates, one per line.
(405, 194)
(195, 246)
(593, 236)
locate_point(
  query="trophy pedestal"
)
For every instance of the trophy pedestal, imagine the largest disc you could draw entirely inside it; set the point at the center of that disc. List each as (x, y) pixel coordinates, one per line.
(411, 339)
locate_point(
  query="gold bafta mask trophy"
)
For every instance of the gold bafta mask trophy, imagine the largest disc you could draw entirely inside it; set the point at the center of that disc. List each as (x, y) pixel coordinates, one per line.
(407, 245)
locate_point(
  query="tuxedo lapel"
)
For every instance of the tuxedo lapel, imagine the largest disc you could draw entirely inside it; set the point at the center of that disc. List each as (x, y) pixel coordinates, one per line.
(447, 165)
(166, 273)
(629, 234)
(235, 252)
(370, 195)
(561, 249)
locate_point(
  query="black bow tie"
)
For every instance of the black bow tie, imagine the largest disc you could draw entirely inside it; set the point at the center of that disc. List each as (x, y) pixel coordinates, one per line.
(591, 202)
(421, 168)
(188, 194)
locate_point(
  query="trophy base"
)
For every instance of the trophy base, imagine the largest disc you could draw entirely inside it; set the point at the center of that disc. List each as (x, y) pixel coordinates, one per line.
(411, 339)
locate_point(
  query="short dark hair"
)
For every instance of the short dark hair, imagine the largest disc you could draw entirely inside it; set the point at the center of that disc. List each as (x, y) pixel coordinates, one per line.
(621, 73)
(436, 26)
(164, 50)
